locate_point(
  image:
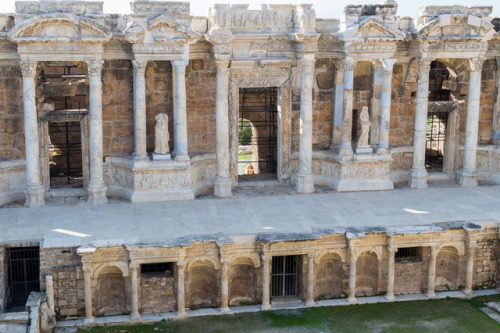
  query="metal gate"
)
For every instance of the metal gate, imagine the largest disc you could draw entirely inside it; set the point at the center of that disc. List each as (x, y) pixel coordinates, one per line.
(258, 114)
(435, 140)
(24, 274)
(65, 146)
(284, 276)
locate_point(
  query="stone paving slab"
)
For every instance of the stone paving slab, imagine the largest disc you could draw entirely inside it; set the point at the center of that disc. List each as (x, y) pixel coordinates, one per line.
(171, 222)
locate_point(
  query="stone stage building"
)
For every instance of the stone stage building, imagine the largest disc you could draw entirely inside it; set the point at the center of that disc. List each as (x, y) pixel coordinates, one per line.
(80, 95)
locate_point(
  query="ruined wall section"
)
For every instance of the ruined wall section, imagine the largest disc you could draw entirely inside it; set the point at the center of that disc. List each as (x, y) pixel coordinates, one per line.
(323, 91)
(157, 293)
(487, 260)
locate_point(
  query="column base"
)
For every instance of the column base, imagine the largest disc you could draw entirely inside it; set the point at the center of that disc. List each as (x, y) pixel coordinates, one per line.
(181, 314)
(311, 303)
(140, 158)
(89, 320)
(467, 178)
(265, 307)
(182, 158)
(97, 195)
(352, 300)
(468, 293)
(431, 294)
(35, 196)
(390, 298)
(346, 150)
(418, 179)
(224, 310)
(135, 316)
(305, 183)
(223, 187)
(382, 151)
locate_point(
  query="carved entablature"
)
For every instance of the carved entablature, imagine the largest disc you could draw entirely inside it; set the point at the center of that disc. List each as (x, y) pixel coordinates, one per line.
(72, 7)
(371, 50)
(448, 49)
(152, 254)
(428, 13)
(371, 29)
(155, 7)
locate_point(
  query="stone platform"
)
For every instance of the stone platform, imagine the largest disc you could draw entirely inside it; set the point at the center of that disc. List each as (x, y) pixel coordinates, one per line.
(244, 217)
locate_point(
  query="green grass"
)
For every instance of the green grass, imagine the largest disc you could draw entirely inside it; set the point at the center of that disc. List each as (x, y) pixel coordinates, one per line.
(446, 315)
(245, 156)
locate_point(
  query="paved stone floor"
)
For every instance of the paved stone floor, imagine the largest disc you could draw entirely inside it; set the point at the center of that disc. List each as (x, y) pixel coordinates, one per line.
(252, 211)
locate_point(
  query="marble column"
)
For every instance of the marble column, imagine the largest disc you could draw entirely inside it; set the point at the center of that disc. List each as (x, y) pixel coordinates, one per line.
(140, 153)
(180, 118)
(34, 189)
(353, 257)
(346, 144)
(223, 180)
(418, 172)
(390, 274)
(377, 78)
(225, 286)
(49, 287)
(468, 175)
(385, 106)
(181, 307)
(96, 187)
(495, 126)
(134, 268)
(305, 177)
(87, 280)
(310, 280)
(266, 283)
(338, 101)
(431, 284)
(469, 277)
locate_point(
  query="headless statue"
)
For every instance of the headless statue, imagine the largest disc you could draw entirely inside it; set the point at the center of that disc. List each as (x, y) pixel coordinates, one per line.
(161, 135)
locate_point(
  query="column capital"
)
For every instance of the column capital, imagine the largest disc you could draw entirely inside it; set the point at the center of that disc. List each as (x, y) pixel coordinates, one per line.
(388, 64)
(222, 66)
(139, 66)
(476, 64)
(181, 263)
(225, 260)
(377, 63)
(311, 256)
(28, 68)
(95, 67)
(392, 249)
(472, 246)
(266, 257)
(353, 252)
(424, 64)
(434, 248)
(134, 266)
(349, 63)
(180, 65)
(308, 65)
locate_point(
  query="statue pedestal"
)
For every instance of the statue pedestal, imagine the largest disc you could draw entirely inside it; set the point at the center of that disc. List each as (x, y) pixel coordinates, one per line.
(364, 150)
(161, 157)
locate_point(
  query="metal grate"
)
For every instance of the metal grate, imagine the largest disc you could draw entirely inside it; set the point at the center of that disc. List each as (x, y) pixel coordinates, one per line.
(408, 253)
(159, 267)
(258, 114)
(66, 146)
(438, 73)
(435, 140)
(284, 276)
(24, 274)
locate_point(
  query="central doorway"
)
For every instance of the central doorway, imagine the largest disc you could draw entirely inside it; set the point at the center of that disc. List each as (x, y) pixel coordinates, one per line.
(24, 275)
(257, 134)
(284, 276)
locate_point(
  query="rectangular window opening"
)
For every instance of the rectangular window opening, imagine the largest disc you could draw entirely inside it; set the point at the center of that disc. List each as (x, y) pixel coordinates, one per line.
(158, 267)
(408, 254)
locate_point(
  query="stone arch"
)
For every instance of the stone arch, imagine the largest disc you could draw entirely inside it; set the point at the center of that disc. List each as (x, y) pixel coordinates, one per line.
(203, 287)
(329, 276)
(447, 268)
(122, 267)
(367, 274)
(111, 293)
(246, 259)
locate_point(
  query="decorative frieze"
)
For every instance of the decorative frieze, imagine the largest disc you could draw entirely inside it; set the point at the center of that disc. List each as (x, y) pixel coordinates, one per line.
(73, 7)
(153, 7)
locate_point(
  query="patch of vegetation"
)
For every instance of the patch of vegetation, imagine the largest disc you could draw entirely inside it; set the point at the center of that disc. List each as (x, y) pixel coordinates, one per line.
(245, 157)
(245, 132)
(444, 315)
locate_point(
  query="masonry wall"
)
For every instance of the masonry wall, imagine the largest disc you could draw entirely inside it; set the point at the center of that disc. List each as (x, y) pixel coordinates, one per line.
(323, 91)
(11, 111)
(157, 293)
(487, 260)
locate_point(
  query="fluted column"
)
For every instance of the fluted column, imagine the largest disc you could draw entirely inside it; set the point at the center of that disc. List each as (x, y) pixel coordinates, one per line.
(346, 144)
(96, 187)
(266, 283)
(495, 126)
(469, 277)
(418, 171)
(135, 292)
(353, 257)
(140, 109)
(468, 175)
(305, 178)
(181, 307)
(338, 100)
(180, 124)
(87, 285)
(385, 106)
(34, 189)
(310, 280)
(431, 284)
(223, 180)
(225, 286)
(390, 274)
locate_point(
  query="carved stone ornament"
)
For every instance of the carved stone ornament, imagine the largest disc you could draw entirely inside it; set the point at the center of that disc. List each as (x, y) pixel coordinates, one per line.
(349, 64)
(364, 120)
(95, 67)
(139, 66)
(424, 65)
(476, 64)
(28, 68)
(162, 136)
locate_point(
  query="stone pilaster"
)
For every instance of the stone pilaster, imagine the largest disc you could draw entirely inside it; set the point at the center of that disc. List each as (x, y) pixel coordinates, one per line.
(495, 126)
(418, 172)
(180, 118)
(305, 177)
(310, 280)
(225, 286)
(96, 187)
(181, 299)
(338, 100)
(353, 257)
(34, 188)
(223, 180)
(469, 277)
(140, 110)
(134, 268)
(346, 144)
(377, 77)
(385, 106)
(431, 284)
(87, 285)
(266, 283)
(468, 175)
(390, 273)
